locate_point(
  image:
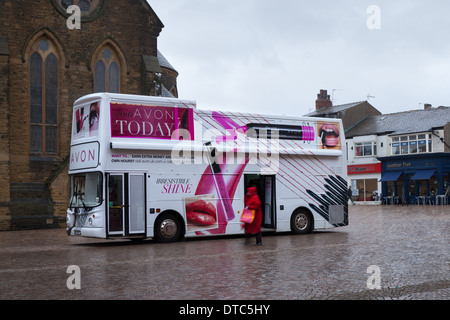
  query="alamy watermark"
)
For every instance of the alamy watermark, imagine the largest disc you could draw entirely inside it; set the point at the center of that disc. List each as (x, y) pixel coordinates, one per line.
(232, 148)
(74, 280)
(74, 21)
(374, 20)
(374, 280)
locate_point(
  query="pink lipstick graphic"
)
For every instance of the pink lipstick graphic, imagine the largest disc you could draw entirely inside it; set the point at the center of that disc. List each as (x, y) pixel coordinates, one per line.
(220, 183)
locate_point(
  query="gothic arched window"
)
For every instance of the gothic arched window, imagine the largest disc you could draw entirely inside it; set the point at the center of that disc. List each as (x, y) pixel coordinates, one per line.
(44, 98)
(107, 71)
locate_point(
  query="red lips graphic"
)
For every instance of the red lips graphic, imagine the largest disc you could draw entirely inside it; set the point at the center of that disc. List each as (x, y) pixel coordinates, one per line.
(201, 212)
(329, 134)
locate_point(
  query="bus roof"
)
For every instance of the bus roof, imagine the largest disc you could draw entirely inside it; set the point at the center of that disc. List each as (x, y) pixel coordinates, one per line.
(132, 99)
(143, 99)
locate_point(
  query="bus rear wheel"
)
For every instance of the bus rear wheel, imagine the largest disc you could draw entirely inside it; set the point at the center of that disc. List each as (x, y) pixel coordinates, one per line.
(301, 222)
(167, 228)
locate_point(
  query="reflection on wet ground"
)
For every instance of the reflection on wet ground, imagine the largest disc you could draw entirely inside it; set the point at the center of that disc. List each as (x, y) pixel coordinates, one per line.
(410, 245)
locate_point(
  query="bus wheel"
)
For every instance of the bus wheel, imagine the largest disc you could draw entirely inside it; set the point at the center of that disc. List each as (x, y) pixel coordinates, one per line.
(167, 228)
(301, 222)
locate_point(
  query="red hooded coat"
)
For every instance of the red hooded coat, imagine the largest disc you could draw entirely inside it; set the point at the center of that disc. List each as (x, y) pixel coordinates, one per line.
(253, 202)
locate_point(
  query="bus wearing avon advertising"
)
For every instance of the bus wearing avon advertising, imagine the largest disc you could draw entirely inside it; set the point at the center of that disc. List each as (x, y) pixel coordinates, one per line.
(151, 167)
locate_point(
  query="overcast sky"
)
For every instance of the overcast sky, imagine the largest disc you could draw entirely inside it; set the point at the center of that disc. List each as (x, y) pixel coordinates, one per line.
(273, 57)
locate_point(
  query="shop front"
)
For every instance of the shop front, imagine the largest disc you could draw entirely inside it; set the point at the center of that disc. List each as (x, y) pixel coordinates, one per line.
(415, 179)
(363, 179)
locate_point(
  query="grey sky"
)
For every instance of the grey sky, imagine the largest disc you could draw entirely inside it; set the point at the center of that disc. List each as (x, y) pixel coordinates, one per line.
(274, 56)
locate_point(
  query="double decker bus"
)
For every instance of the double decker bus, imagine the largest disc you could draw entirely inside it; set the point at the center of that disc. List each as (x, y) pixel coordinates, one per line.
(152, 167)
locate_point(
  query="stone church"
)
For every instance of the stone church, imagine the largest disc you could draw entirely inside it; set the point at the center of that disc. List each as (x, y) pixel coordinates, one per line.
(47, 61)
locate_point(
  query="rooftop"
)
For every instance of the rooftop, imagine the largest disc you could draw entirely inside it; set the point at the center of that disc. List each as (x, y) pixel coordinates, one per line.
(164, 63)
(333, 109)
(413, 121)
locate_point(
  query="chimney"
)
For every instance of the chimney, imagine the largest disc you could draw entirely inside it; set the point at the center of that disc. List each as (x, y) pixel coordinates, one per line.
(427, 106)
(323, 100)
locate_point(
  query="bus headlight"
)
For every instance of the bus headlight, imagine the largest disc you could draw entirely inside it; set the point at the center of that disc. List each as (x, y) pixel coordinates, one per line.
(70, 219)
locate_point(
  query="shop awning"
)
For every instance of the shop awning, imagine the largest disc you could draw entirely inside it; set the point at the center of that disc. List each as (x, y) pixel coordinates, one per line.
(391, 176)
(423, 174)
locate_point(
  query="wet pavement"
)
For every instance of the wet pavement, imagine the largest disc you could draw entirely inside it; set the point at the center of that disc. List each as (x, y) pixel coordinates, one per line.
(409, 245)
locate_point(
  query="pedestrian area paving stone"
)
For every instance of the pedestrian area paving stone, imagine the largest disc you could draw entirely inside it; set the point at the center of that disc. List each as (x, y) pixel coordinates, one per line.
(409, 245)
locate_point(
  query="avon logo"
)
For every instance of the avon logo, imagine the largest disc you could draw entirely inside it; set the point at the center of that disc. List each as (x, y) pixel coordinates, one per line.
(84, 156)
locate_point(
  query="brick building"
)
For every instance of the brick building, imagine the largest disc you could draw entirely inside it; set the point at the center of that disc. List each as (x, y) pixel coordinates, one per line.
(350, 113)
(46, 63)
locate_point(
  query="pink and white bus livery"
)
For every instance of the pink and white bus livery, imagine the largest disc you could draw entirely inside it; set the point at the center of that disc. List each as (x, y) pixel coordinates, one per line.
(151, 167)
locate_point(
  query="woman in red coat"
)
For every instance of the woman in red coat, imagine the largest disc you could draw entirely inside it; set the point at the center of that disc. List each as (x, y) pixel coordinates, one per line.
(253, 202)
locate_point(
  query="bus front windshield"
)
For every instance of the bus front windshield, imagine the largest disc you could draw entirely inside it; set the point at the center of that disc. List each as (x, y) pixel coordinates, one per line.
(86, 190)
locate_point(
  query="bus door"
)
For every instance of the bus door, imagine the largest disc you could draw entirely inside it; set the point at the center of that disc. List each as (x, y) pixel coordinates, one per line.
(267, 186)
(126, 204)
(266, 192)
(136, 215)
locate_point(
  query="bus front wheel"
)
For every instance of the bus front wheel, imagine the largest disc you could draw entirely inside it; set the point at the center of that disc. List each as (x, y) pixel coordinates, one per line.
(301, 222)
(167, 228)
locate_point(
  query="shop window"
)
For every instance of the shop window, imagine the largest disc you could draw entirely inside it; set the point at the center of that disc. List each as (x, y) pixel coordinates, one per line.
(44, 98)
(399, 187)
(358, 150)
(365, 149)
(413, 147)
(446, 181)
(412, 144)
(422, 146)
(404, 148)
(412, 189)
(422, 185)
(396, 148)
(433, 185)
(365, 189)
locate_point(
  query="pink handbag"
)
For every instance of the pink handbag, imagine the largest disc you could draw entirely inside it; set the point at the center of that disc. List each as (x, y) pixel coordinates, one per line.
(248, 216)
